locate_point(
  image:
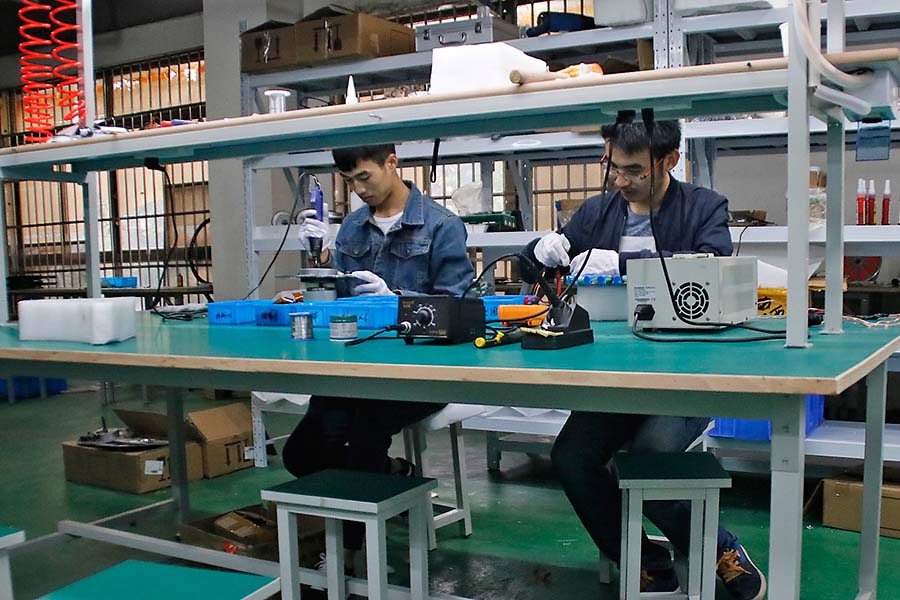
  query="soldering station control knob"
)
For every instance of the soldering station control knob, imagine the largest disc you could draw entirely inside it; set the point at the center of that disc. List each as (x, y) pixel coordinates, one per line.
(425, 315)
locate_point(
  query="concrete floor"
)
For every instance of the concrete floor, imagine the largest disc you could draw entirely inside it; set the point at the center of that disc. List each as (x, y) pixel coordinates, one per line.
(527, 544)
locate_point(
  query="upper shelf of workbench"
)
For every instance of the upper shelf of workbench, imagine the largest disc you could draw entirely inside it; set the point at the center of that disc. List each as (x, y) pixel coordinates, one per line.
(724, 88)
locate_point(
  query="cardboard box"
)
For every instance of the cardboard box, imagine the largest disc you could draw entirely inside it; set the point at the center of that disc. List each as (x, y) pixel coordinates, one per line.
(138, 471)
(268, 47)
(842, 506)
(324, 38)
(226, 437)
(260, 540)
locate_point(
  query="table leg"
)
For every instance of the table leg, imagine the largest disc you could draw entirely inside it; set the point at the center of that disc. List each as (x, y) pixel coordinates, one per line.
(876, 389)
(786, 517)
(177, 453)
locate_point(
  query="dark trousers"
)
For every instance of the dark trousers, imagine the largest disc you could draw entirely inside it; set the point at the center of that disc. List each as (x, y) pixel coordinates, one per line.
(581, 457)
(349, 433)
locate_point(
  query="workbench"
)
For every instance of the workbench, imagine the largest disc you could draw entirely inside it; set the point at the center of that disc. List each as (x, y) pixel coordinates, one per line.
(617, 373)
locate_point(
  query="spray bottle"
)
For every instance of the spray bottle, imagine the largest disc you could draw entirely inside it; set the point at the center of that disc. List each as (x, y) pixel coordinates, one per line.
(861, 202)
(870, 203)
(886, 203)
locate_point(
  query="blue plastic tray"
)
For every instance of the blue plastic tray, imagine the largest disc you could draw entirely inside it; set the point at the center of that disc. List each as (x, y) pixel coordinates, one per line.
(750, 429)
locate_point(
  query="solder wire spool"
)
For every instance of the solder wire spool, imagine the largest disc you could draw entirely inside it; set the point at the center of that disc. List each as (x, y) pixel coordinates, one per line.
(302, 326)
(343, 328)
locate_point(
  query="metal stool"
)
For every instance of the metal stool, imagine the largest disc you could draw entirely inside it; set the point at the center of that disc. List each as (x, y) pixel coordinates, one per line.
(140, 580)
(414, 438)
(9, 537)
(370, 498)
(692, 476)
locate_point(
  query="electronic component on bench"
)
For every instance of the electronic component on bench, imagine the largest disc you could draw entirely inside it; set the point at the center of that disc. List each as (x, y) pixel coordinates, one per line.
(447, 319)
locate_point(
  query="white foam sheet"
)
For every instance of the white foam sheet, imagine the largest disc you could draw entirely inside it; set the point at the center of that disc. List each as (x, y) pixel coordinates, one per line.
(88, 320)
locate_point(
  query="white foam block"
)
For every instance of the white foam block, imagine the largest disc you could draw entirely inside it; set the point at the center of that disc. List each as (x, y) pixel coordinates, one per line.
(479, 68)
(91, 320)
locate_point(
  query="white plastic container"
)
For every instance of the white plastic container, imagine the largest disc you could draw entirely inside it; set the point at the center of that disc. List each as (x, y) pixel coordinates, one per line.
(610, 13)
(607, 301)
(90, 320)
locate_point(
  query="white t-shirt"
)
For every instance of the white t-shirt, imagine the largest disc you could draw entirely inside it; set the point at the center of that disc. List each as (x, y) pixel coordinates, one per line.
(385, 223)
(637, 234)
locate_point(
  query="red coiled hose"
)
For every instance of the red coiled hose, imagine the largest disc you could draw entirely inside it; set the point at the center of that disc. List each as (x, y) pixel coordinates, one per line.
(68, 85)
(37, 70)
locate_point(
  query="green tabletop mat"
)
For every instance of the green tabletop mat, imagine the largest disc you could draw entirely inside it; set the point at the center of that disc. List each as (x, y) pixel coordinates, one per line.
(139, 580)
(615, 349)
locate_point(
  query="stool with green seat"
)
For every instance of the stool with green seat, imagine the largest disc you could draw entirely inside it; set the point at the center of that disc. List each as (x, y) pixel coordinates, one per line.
(693, 476)
(140, 580)
(9, 537)
(371, 498)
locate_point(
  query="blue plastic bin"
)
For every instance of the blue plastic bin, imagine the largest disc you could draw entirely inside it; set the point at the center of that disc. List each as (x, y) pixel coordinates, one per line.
(30, 387)
(270, 313)
(372, 312)
(118, 282)
(233, 312)
(750, 429)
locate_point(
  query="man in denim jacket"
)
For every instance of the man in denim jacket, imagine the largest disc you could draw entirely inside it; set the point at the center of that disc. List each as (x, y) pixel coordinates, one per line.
(401, 242)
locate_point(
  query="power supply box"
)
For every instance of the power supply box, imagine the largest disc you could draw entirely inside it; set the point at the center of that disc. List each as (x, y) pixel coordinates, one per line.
(707, 290)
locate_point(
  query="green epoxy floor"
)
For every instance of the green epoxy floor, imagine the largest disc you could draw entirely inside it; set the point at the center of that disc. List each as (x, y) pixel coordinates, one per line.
(527, 544)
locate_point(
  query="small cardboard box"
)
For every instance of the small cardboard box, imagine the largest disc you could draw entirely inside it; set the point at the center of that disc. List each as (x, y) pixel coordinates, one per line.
(138, 471)
(226, 436)
(260, 540)
(842, 507)
(268, 47)
(322, 38)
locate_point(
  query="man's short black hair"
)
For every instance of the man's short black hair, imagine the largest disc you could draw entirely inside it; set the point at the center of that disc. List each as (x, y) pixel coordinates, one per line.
(631, 138)
(346, 159)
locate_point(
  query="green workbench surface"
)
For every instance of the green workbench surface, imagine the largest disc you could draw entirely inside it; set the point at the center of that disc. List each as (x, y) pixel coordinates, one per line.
(615, 359)
(139, 580)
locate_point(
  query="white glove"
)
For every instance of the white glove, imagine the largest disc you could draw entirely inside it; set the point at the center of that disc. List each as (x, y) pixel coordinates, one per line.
(374, 286)
(553, 250)
(312, 227)
(601, 262)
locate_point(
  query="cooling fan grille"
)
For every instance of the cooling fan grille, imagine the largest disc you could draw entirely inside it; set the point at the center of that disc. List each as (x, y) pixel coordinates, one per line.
(691, 300)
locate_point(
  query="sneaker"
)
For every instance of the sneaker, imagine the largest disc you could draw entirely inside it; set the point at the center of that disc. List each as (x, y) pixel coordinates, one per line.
(660, 581)
(742, 578)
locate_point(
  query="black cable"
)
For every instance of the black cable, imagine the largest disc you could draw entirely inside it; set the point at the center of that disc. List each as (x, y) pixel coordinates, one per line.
(485, 268)
(715, 340)
(287, 230)
(192, 248)
(168, 198)
(372, 336)
(737, 251)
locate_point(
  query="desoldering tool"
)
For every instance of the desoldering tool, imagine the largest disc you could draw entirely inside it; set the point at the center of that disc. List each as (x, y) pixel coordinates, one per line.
(500, 339)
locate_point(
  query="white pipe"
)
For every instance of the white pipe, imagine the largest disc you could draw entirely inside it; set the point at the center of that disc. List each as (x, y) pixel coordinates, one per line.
(842, 99)
(810, 49)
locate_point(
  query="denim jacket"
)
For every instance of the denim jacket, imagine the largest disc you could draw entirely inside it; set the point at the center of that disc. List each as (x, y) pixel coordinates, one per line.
(691, 219)
(423, 253)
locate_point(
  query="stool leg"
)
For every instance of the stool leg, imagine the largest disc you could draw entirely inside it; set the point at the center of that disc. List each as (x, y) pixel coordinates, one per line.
(288, 554)
(334, 559)
(376, 558)
(419, 515)
(6, 590)
(631, 550)
(710, 545)
(460, 478)
(696, 552)
(492, 445)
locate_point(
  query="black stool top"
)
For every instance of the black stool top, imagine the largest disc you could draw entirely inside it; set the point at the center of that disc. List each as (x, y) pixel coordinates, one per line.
(702, 467)
(355, 486)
